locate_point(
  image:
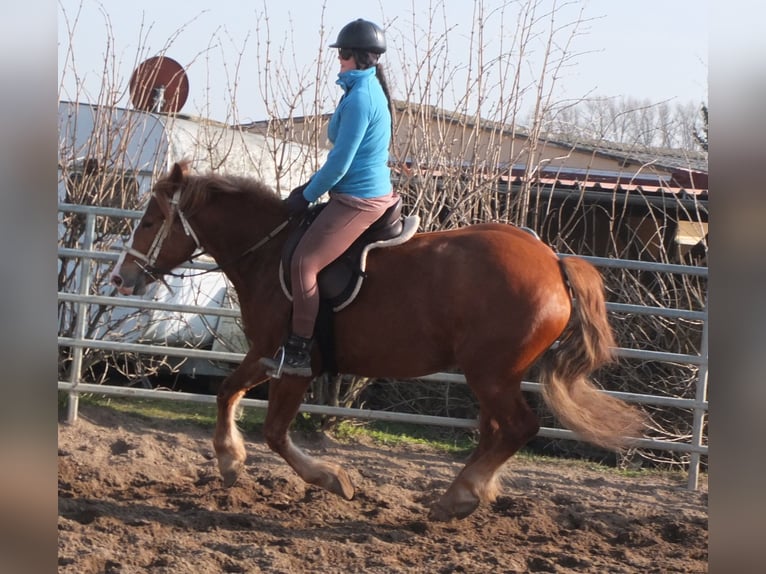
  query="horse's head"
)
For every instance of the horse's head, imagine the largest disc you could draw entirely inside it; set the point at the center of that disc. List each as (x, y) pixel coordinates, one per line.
(162, 239)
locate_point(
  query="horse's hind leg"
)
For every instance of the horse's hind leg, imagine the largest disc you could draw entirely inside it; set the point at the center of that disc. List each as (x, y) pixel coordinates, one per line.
(506, 423)
(285, 397)
(227, 441)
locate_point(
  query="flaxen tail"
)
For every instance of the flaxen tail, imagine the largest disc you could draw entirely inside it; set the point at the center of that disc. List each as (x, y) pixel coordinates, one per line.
(585, 345)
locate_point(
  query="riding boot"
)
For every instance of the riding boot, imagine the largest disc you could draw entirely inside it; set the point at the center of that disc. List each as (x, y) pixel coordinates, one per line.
(293, 358)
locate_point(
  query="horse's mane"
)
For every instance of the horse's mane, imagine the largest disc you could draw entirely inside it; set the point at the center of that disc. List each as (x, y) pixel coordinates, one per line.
(198, 189)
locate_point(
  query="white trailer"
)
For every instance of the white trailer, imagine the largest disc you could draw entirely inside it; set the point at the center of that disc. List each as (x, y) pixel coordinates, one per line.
(133, 148)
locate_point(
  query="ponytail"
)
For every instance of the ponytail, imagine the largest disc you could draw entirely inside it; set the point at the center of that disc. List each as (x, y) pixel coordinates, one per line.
(366, 60)
(384, 84)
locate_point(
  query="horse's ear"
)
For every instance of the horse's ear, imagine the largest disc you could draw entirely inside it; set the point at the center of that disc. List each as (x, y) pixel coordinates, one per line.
(178, 172)
(163, 192)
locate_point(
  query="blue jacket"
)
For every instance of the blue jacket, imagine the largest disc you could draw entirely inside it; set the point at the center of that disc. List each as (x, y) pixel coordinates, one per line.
(360, 131)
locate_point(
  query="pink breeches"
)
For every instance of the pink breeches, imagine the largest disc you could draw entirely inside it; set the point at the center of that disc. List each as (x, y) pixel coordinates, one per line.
(338, 225)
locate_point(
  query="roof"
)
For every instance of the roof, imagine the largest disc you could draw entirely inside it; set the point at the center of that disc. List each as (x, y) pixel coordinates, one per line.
(151, 142)
(688, 169)
(663, 157)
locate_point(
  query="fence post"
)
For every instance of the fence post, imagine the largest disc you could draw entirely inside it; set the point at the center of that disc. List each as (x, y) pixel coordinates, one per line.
(699, 413)
(81, 310)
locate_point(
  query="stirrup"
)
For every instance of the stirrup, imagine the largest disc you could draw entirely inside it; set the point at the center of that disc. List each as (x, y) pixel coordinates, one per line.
(274, 365)
(278, 365)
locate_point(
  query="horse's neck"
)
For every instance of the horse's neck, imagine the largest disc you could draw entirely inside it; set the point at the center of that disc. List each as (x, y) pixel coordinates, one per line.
(249, 266)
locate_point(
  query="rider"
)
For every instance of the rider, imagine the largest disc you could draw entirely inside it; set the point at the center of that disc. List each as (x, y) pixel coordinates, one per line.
(356, 175)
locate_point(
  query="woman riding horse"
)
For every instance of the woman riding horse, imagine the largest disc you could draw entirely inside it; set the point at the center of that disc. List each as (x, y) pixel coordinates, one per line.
(357, 177)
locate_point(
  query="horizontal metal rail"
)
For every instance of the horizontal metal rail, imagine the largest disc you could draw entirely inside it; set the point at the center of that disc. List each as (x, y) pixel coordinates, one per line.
(642, 265)
(154, 350)
(598, 261)
(528, 386)
(72, 253)
(135, 302)
(114, 212)
(125, 301)
(361, 414)
(157, 350)
(175, 351)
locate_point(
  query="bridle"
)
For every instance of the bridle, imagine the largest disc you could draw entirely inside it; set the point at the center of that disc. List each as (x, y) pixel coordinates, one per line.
(146, 262)
(150, 257)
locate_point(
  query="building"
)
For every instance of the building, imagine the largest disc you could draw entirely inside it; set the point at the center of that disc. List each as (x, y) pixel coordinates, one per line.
(596, 198)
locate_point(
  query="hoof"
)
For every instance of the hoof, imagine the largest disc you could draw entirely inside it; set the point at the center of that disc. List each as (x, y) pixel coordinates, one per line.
(339, 483)
(344, 487)
(230, 478)
(440, 512)
(230, 471)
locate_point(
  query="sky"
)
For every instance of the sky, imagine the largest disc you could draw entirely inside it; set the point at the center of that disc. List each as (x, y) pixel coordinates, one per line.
(655, 50)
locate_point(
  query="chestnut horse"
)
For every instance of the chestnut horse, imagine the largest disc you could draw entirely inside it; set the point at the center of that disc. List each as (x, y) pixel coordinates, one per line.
(487, 299)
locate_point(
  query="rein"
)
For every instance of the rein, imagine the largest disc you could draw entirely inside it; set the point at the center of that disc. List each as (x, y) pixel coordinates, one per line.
(247, 251)
(265, 240)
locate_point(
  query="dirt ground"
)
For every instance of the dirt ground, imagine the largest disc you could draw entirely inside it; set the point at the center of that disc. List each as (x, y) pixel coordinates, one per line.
(145, 496)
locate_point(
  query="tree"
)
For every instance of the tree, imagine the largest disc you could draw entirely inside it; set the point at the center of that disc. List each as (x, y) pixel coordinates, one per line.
(626, 120)
(701, 135)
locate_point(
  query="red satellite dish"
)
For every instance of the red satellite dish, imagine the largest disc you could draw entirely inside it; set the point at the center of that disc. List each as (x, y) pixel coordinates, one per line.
(159, 84)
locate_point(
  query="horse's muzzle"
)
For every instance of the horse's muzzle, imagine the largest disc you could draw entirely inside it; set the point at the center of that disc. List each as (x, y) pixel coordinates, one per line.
(124, 287)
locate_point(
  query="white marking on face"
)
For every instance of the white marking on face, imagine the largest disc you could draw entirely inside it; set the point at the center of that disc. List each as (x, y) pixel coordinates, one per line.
(124, 251)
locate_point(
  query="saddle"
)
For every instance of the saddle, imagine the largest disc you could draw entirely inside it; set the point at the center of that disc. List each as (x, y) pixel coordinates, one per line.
(339, 283)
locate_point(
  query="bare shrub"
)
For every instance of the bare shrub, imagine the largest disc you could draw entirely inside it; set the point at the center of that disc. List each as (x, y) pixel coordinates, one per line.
(453, 169)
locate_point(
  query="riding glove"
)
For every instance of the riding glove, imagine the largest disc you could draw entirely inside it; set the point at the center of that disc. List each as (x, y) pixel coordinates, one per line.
(295, 202)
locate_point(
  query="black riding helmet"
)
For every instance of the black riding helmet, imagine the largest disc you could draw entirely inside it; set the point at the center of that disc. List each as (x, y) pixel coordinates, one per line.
(361, 35)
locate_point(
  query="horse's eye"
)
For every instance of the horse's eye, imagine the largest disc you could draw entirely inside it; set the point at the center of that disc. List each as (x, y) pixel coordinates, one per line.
(146, 224)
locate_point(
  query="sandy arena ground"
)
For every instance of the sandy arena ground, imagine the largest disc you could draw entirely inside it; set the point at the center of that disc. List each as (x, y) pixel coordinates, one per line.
(138, 495)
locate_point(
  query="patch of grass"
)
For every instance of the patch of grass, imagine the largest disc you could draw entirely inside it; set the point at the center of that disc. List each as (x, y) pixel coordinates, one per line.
(461, 442)
(192, 412)
(601, 467)
(457, 442)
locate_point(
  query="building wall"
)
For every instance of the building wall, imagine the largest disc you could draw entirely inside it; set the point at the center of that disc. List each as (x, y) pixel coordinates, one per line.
(433, 140)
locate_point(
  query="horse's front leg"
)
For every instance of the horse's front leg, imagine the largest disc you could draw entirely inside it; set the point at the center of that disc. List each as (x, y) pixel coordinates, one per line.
(285, 396)
(227, 441)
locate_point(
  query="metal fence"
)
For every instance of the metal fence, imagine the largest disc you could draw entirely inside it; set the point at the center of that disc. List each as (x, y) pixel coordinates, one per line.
(82, 298)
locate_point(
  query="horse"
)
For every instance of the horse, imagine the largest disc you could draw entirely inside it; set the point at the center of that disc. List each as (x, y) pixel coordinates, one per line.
(488, 299)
